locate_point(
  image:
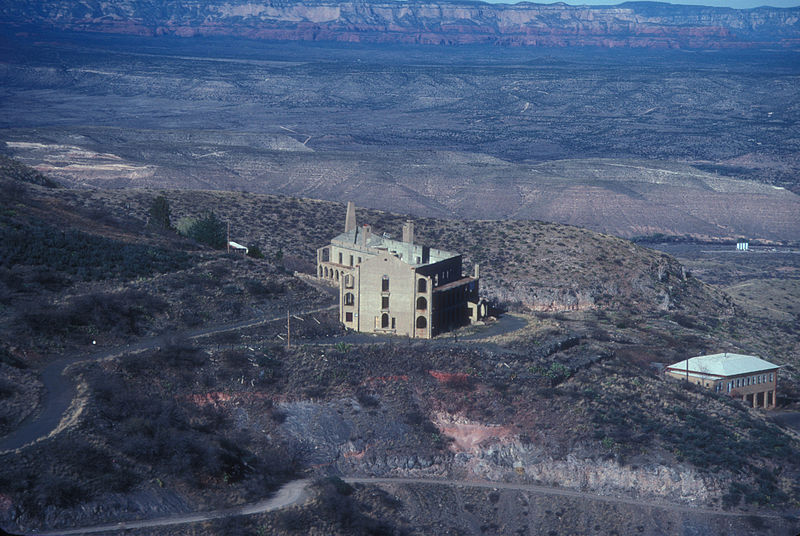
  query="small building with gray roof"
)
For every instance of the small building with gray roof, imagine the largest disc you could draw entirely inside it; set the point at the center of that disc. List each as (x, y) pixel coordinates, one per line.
(749, 377)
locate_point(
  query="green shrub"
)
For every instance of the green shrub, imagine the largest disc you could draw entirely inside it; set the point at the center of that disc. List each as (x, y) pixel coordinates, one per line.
(208, 230)
(160, 213)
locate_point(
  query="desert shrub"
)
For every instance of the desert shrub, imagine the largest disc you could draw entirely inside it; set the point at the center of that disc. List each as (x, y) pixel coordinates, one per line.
(235, 358)
(85, 256)
(7, 388)
(120, 313)
(62, 492)
(337, 504)
(207, 229)
(261, 288)
(160, 214)
(180, 353)
(688, 322)
(17, 171)
(367, 400)
(254, 251)
(11, 360)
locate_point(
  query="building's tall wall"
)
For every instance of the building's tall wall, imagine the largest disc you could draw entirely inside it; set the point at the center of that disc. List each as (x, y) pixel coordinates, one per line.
(443, 272)
(426, 293)
(386, 295)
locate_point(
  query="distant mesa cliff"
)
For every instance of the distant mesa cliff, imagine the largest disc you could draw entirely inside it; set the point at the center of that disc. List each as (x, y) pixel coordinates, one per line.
(632, 24)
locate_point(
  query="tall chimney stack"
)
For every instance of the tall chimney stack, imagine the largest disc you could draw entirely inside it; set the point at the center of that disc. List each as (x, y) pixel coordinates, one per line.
(350, 219)
(477, 271)
(408, 232)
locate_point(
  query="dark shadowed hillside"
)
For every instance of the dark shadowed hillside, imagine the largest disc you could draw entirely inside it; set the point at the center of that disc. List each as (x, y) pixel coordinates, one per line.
(183, 395)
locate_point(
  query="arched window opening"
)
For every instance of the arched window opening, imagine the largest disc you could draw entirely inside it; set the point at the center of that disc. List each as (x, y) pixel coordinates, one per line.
(348, 281)
(422, 322)
(422, 303)
(422, 285)
(349, 298)
(326, 271)
(337, 275)
(320, 271)
(384, 320)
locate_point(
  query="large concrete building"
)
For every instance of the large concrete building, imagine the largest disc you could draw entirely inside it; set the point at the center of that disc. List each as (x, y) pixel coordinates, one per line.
(397, 286)
(745, 376)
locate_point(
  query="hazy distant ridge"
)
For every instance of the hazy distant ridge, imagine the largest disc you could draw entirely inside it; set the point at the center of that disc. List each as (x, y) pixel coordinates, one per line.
(633, 24)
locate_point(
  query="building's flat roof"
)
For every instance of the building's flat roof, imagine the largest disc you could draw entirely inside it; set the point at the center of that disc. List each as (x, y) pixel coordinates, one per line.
(376, 244)
(725, 364)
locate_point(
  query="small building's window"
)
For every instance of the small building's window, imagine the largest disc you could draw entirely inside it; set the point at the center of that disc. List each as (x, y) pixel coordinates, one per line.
(349, 298)
(340, 257)
(384, 320)
(770, 376)
(385, 284)
(422, 285)
(422, 322)
(337, 275)
(348, 317)
(351, 260)
(393, 323)
(384, 302)
(348, 281)
(359, 260)
(422, 303)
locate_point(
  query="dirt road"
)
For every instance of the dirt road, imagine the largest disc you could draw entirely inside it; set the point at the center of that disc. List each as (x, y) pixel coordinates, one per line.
(295, 492)
(59, 390)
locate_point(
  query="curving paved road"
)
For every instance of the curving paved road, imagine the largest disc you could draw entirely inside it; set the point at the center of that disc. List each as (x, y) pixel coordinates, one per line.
(59, 390)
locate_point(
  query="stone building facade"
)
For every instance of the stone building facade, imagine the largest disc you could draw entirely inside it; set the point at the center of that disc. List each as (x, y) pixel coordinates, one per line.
(397, 286)
(745, 376)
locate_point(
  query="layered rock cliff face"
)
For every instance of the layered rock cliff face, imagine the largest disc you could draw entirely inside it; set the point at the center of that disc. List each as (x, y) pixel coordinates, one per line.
(633, 24)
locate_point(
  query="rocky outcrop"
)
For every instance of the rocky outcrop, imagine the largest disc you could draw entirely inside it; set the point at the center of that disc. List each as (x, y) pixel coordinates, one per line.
(633, 24)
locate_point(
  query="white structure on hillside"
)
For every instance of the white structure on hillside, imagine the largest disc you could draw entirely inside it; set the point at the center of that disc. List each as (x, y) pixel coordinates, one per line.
(745, 376)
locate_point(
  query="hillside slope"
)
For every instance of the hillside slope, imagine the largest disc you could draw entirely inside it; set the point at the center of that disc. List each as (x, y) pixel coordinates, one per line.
(568, 400)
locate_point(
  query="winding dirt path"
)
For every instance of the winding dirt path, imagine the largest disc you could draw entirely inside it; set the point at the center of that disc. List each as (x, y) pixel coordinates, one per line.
(296, 492)
(550, 490)
(60, 391)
